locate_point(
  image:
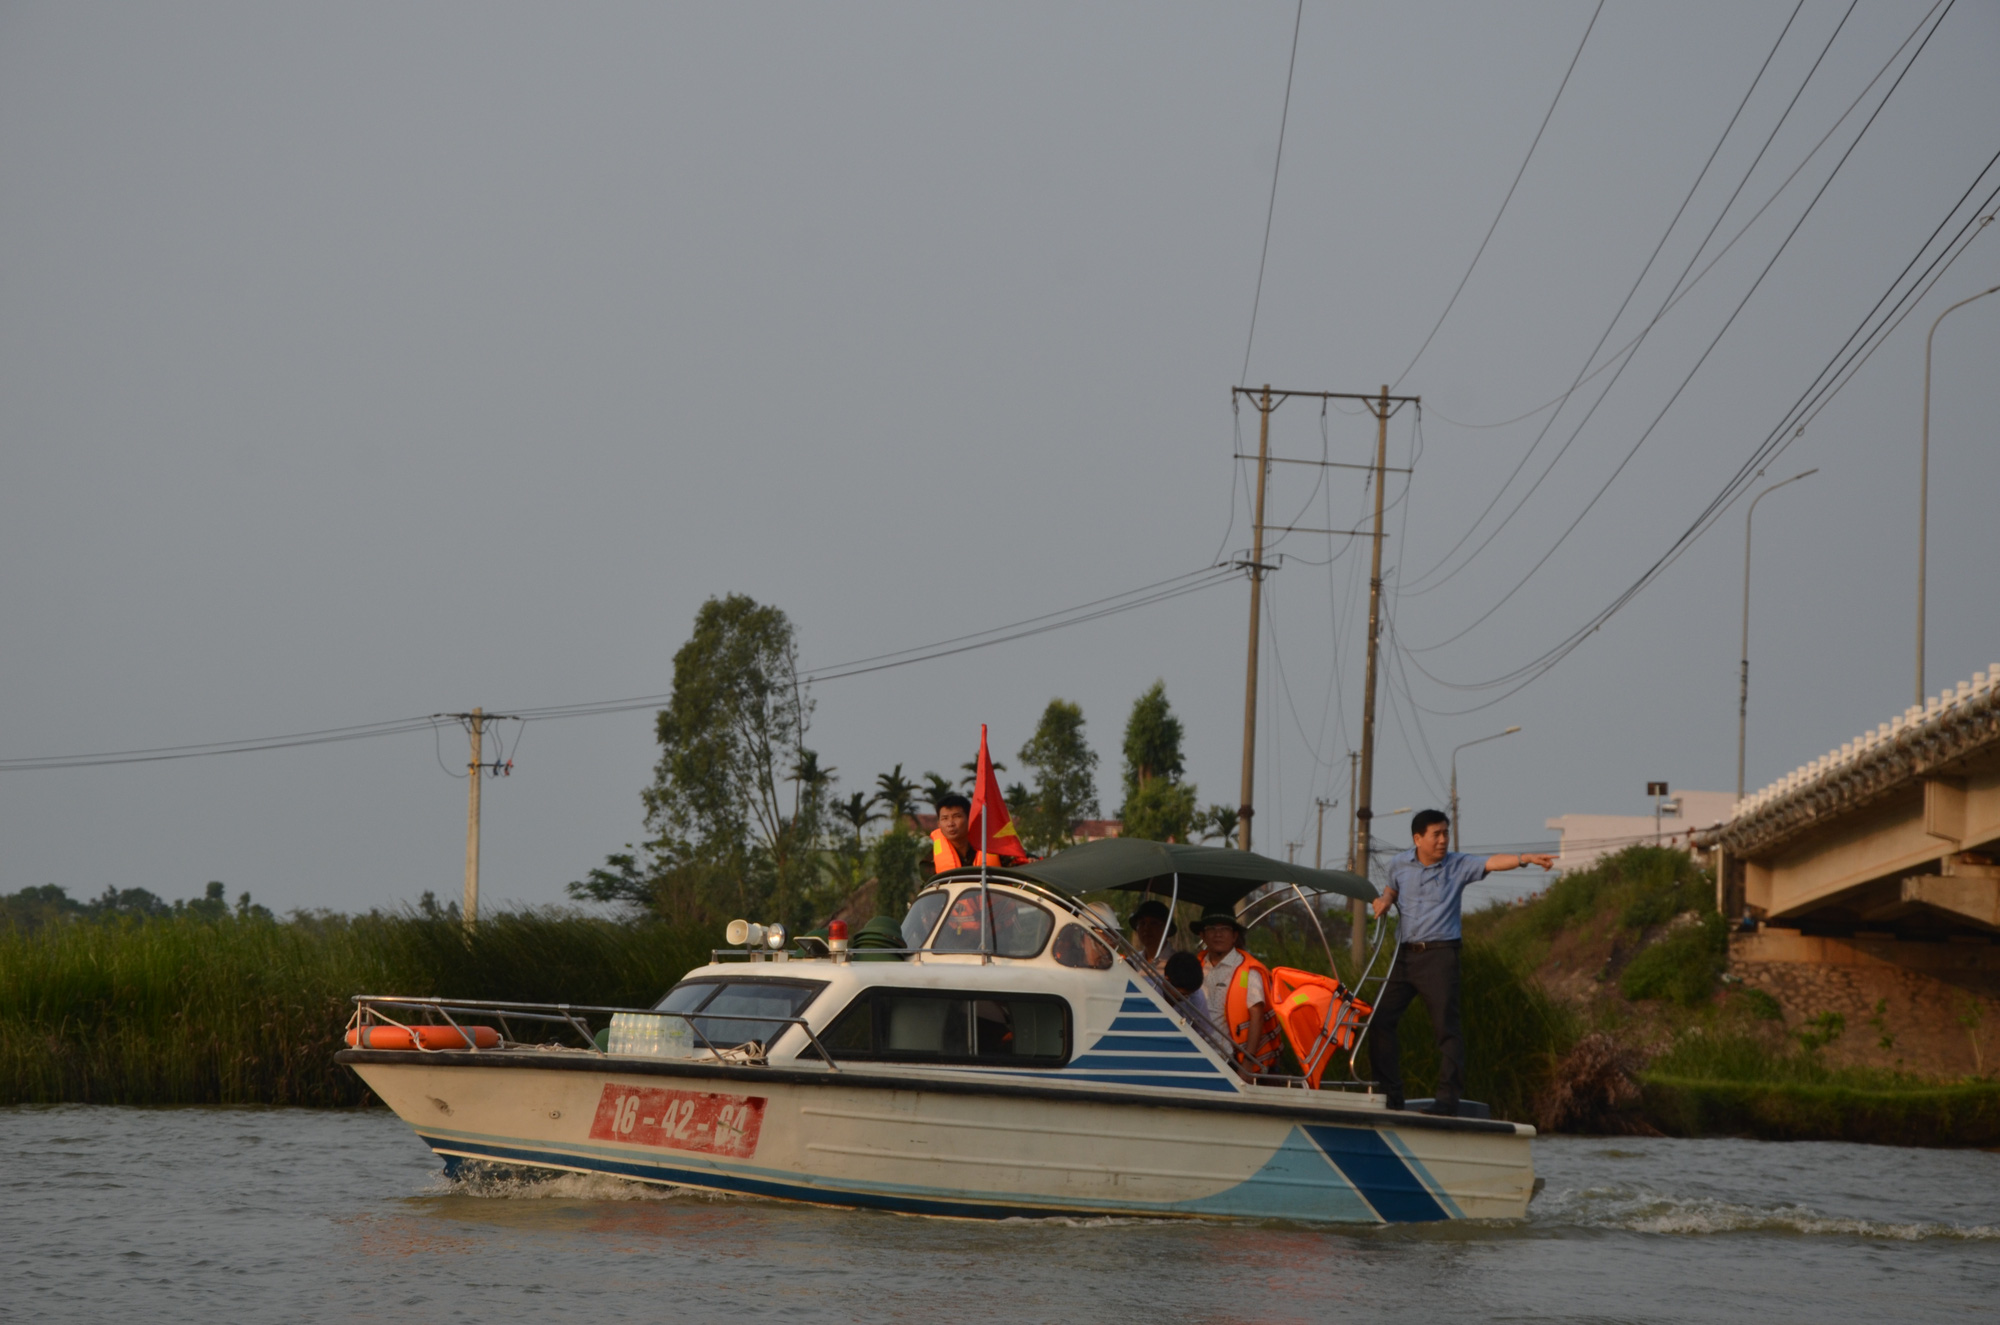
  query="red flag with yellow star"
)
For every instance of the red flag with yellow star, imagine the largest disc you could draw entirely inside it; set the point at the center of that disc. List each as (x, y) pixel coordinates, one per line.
(992, 831)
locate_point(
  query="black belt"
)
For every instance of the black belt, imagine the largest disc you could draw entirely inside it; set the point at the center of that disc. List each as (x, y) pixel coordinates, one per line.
(1425, 945)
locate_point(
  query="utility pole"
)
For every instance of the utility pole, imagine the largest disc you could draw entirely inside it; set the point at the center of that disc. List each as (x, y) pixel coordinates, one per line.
(1247, 808)
(1924, 483)
(1319, 837)
(1357, 910)
(1454, 777)
(475, 725)
(1743, 677)
(1266, 400)
(1381, 408)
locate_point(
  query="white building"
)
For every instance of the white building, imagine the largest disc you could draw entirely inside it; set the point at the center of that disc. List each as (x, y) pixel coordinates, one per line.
(1588, 838)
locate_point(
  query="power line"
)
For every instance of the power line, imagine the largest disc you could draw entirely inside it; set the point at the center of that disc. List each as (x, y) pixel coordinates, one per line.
(1097, 609)
(1715, 341)
(1480, 251)
(1609, 327)
(1838, 371)
(1271, 210)
(1744, 229)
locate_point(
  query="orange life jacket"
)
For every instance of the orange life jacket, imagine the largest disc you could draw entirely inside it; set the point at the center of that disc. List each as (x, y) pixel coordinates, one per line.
(944, 856)
(1319, 1015)
(1263, 1055)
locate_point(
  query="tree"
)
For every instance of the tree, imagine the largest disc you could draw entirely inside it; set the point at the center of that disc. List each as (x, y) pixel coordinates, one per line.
(857, 812)
(971, 767)
(1161, 811)
(1152, 740)
(1217, 821)
(936, 787)
(1158, 805)
(620, 882)
(896, 794)
(897, 853)
(736, 804)
(1065, 788)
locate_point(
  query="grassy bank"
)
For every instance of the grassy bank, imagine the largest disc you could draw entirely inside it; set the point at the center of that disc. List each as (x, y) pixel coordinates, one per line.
(195, 1010)
(1737, 1083)
(1634, 952)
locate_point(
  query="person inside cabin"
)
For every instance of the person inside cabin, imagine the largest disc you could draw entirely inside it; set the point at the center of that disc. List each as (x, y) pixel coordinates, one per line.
(1149, 933)
(1427, 887)
(1183, 974)
(1237, 986)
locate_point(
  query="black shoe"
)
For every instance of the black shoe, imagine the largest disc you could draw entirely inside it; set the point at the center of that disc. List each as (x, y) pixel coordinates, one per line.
(1394, 1102)
(1443, 1108)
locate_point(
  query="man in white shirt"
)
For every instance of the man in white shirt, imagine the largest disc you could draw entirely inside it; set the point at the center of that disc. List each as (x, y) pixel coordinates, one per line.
(1236, 987)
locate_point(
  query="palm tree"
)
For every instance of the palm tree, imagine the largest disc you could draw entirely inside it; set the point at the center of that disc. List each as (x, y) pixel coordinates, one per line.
(937, 786)
(896, 794)
(971, 767)
(855, 810)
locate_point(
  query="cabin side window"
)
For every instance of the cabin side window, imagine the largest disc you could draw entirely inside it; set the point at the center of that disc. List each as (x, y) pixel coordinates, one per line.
(1020, 928)
(919, 1026)
(1078, 947)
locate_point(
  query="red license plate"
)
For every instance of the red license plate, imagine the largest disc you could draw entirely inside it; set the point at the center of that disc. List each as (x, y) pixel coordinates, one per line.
(680, 1120)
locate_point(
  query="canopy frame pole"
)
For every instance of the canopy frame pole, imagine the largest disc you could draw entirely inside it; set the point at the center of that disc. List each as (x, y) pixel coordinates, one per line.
(987, 938)
(1174, 902)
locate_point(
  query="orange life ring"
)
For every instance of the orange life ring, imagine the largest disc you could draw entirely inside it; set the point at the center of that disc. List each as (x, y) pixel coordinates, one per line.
(420, 1037)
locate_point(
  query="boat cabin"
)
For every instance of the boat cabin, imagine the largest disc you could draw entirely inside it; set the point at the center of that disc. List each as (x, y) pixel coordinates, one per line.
(1001, 971)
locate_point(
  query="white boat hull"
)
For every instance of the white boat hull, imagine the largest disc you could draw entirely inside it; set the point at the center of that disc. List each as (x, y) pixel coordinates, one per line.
(957, 1143)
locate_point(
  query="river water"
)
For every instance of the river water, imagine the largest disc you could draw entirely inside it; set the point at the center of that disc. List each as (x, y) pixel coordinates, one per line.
(216, 1215)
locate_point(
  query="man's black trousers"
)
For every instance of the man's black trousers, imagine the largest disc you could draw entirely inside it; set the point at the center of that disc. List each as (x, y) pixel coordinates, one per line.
(1432, 972)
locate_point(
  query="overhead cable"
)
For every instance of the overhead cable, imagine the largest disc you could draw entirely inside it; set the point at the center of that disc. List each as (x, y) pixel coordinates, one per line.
(1145, 596)
(1715, 341)
(1271, 210)
(1416, 585)
(1606, 364)
(1488, 238)
(1838, 371)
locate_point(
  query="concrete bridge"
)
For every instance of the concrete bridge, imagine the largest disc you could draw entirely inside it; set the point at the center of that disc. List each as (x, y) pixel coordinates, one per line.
(1895, 834)
(1872, 875)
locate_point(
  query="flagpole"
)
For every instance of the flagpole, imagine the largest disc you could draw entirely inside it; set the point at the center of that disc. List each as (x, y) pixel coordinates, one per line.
(985, 853)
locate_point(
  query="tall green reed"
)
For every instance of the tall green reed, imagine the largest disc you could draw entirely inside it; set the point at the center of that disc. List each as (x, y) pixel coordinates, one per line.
(186, 1011)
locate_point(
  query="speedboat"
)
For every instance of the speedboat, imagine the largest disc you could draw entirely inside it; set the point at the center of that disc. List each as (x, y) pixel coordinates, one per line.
(1014, 1057)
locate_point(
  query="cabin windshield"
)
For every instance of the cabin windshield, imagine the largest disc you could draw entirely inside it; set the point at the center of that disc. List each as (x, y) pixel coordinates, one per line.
(1020, 927)
(717, 1000)
(923, 916)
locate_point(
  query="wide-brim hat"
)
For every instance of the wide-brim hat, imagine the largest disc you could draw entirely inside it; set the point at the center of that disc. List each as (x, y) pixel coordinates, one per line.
(1218, 918)
(1154, 908)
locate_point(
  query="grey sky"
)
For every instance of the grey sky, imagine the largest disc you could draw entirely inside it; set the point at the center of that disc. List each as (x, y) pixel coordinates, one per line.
(361, 361)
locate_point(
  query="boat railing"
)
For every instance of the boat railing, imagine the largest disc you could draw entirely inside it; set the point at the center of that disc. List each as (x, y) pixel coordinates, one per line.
(1277, 899)
(369, 1010)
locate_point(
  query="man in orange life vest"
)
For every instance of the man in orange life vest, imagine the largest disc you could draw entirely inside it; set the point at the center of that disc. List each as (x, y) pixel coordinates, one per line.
(951, 840)
(1238, 987)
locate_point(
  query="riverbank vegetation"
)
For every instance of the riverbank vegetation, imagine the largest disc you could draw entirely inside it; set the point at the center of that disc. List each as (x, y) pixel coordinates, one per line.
(1665, 1042)
(190, 1007)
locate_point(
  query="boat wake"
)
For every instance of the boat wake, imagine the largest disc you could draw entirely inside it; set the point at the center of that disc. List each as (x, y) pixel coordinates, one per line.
(496, 1182)
(1638, 1211)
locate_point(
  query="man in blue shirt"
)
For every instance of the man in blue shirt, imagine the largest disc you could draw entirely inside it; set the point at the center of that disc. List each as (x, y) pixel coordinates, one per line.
(1427, 887)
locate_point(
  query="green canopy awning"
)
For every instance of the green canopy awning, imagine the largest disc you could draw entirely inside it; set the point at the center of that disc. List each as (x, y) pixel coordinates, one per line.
(1213, 878)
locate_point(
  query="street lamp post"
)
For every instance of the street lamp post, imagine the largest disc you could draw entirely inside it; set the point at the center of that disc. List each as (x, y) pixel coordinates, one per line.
(1924, 485)
(1454, 778)
(1743, 683)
